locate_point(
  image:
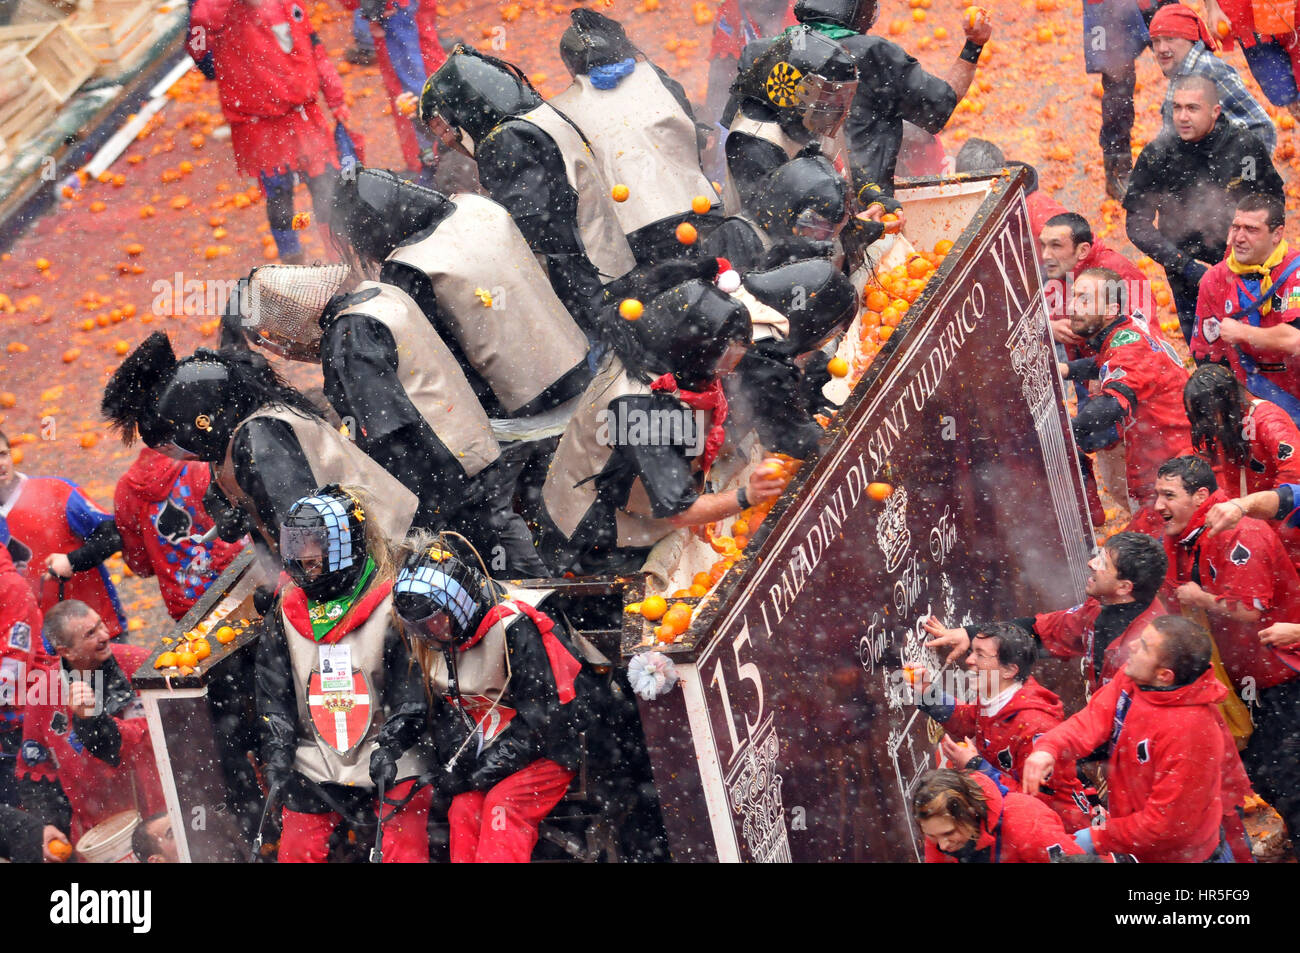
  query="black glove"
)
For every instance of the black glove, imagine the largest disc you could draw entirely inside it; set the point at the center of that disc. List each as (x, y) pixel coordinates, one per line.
(232, 523)
(383, 769)
(276, 774)
(263, 599)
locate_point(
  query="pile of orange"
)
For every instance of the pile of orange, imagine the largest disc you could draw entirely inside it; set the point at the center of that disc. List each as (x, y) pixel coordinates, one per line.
(886, 299)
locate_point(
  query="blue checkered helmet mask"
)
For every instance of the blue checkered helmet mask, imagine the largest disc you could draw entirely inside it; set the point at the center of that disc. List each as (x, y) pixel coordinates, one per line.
(442, 598)
(322, 543)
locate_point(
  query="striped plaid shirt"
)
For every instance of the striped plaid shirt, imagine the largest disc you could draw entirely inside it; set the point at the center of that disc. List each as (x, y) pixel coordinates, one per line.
(1238, 105)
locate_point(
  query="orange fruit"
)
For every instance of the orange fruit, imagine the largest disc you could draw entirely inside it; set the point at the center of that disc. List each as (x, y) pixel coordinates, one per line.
(201, 648)
(61, 849)
(942, 247)
(186, 659)
(619, 193)
(88, 440)
(700, 579)
(686, 233)
(886, 334)
(654, 607)
(8, 399)
(837, 367)
(877, 301)
(665, 633)
(166, 660)
(1222, 28)
(42, 264)
(879, 491)
(70, 355)
(97, 206)
(701, 204)
(917, 267)
(697, 591)
(738, 528)
(681, 593)
(630, 308)
(224, 635)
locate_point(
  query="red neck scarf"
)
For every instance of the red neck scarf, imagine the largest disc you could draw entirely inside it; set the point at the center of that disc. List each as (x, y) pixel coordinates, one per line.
(711, 399)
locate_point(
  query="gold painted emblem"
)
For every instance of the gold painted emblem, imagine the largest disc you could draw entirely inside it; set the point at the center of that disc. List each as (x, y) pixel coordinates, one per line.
(782, 85)
(203, 422)
(336, 702)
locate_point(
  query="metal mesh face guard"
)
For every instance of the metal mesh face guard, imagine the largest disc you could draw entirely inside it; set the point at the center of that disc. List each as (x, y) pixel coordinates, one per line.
(825, 103)
(324, 532)
(434, 582)
(284, 306)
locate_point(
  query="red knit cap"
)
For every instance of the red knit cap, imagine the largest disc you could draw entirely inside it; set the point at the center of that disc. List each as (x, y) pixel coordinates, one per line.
(1179, 21)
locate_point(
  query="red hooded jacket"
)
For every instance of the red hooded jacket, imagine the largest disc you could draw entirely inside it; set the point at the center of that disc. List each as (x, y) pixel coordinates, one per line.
(1147, 378)
(1019, 829)
(1165, 767)
(269, 93)
(20, 640)
(1220, 296)
(1136, 284)
(1070, 633)
(1004, 741)
(1274, 460)
(1247, 565)
(53, 753)
(158, 506)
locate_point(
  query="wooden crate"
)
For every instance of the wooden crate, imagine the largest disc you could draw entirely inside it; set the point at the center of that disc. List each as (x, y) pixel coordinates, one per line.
(16, 74)
(116, 33)
(25, 115)
(22, 33)
(61, 61)
(37, 11)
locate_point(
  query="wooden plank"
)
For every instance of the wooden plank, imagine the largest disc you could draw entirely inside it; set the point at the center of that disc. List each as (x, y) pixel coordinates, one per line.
(23, 32)
(61, 61)
(27, 114)
(37, 11)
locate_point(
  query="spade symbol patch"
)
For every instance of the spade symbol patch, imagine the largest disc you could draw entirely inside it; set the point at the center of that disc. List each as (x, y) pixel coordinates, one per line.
(1240, 555)
(173, 522)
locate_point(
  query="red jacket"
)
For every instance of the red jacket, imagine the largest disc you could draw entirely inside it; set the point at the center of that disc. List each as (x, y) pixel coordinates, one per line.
(1147, 378)
(1136, 285)
(1019, 829)
(1165, 767)
(1274, 460)
(20, 639)
(53, 753)
(1071, 633)
(50, 515)
(1221, 296)
(158, 506)
(1041, 207)
(1248, 565)
(1004, 741)
(268, 93)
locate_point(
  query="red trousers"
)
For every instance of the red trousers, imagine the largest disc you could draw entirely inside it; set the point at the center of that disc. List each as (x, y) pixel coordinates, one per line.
(499, 826)
(305, 837)
(433, 56)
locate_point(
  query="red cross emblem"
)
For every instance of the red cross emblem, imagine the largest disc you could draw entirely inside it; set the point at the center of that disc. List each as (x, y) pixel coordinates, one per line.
(341, 719)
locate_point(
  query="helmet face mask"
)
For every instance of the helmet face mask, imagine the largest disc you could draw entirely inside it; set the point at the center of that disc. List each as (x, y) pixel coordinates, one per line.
(285, 303)
(322, 543)
(441, 598)
(826, 104)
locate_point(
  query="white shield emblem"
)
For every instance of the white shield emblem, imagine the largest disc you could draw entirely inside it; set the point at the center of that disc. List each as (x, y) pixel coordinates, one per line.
(341, 719)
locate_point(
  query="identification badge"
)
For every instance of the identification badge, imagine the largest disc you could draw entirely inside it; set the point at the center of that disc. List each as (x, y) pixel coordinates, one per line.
(335, 668)
(1210, 329)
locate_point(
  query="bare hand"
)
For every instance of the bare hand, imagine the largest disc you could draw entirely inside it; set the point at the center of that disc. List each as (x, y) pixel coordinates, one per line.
(765, 483)
(82, 700)
(58, 565)
(48, 836)
(343, 114)
(1061, 333)
(1038, 768)
(1231, 330)
(955, 639)
(1214, 16)
(1190, 594)
(1281, 635)
(1063, 369)
(958, 753)
(1222, 517)
(979, 29)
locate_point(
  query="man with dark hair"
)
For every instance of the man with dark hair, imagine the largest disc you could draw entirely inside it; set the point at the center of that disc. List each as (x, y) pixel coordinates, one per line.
(1248, 307)
(87, 752)
(1190, 180)
(1011, 710)
(966, 819)
(153, 841)
(1166, 744)
(1126, 575)
(1141, 386)
(1244, 581)
(1184, 46)
(1067, 248)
